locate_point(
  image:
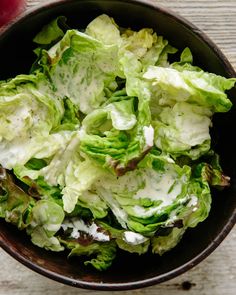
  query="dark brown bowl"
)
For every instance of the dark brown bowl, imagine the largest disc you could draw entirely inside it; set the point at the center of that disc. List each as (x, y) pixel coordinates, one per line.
(128, 271)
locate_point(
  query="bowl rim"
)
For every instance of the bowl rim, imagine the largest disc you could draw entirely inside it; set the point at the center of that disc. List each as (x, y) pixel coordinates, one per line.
(177, 271)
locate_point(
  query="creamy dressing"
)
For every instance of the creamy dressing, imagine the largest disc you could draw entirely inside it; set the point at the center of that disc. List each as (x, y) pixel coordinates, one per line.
(78, 226)
(193, 201)
(133, 238)
(148, 135)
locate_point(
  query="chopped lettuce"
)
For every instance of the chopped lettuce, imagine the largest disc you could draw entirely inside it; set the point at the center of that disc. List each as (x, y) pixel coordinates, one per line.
(143, 199)
(52, 32)
(106, 144)
(41, 219)
(183, 130)
(15, 204)
(197, 87)
(30, 112)
(162, 244)
(46, 220)
(104, 253)
(79, 68)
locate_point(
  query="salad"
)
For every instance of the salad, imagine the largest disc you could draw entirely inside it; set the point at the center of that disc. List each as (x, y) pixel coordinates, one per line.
(106, 144)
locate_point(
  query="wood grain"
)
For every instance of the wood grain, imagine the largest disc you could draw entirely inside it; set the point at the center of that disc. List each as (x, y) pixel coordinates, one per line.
(217, 274)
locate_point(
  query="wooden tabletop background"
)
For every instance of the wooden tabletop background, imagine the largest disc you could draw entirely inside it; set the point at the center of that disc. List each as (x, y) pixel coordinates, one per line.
(216, 275)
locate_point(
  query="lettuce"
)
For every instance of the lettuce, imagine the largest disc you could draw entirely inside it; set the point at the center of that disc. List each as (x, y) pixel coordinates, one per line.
(143, 199)
(104, 253)
(183, 130)
(46, 219)
(41, 219)
(52, 32)
(106, 144)
(196, 87)
(29, 113)
(79, 68)
(15, 204)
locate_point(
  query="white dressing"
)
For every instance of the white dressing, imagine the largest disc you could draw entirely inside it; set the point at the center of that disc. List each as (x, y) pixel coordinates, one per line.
(148, 135)
(133, 238)
(78, 226)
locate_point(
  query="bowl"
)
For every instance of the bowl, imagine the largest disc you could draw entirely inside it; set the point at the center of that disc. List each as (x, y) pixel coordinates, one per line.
(128, 271)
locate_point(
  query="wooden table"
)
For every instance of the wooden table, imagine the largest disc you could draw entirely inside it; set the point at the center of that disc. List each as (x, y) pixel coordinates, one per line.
(217, 274)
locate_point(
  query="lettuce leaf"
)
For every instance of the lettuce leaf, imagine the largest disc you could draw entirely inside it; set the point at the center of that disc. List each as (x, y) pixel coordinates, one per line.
(143, 199)
(46, 219)
(127, 240)
(114, 149)
(15, 204)
(104, 29)
(29, 113)
(183, 130)
(80, 64)
(162, 244)
(197, 87)
(41, 219)
(104, 252)
(52, 32)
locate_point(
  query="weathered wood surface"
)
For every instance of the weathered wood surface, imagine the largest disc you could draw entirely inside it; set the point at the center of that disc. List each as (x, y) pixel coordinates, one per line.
(217, 274)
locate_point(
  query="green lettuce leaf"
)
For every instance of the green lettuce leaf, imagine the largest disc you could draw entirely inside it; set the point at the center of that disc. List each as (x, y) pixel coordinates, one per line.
(142, 200)
(41, 219)
(183, 130)
(127, 240)
(120, 113)
(120, 151)
(29, 113)
(52, 32)
(214, 173)
(104, 252)
(80, 64)
(46, 220)
(196, 210)
(104, 29)
(15, 204)
(197, 87)
(162, 244)
(77, 189)
(185, 63)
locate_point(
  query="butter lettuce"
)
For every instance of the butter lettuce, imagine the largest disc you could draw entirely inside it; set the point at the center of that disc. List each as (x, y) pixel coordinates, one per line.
(46, 219)
(183, 130)
(79, 68)
(104, 253)
(197, 87)
(143, 199)
(41, 219)
(52, 32)
(107, 144)
(30, 111)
